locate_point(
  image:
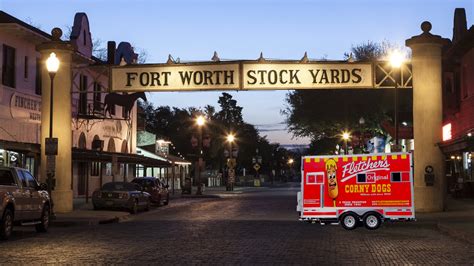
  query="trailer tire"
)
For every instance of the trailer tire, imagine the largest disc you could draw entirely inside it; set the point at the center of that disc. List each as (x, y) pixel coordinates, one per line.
(349, 221)
(372, 220)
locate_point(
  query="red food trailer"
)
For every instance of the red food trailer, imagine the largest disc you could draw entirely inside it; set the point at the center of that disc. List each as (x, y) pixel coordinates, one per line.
(357, 189)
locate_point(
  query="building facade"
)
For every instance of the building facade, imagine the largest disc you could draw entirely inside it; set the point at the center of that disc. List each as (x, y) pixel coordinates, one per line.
(458, 108)
(104, 141)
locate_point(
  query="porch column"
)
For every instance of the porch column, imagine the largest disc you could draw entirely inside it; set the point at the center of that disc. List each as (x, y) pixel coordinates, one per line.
(427, 118)
(62, 118)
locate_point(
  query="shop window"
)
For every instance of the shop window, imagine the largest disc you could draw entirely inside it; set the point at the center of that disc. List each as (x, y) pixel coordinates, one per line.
(97, 97)
(125, 112)
(467, 166)
(8, 66)
(38, 79)
(95, 169)
(25, 71)
(30, 164)
(83, 95)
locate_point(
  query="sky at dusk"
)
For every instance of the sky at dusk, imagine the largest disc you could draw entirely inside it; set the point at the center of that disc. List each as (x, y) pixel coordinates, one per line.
(192, 30)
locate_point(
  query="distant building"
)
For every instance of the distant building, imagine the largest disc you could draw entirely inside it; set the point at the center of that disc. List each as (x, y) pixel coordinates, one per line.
(458, 107)
(173, 174)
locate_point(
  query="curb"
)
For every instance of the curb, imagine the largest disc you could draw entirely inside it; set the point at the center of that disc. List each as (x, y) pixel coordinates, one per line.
(89, 222)
(185, 196)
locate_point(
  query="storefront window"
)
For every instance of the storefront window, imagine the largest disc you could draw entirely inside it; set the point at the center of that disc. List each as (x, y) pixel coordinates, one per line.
(2, 160)
(30, 164)
(467, 166)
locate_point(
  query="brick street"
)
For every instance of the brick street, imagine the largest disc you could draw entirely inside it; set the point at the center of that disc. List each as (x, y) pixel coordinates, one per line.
(252, 227)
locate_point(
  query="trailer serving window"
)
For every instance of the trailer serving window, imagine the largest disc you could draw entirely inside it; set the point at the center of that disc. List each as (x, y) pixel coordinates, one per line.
(400, 176)
(315, 178)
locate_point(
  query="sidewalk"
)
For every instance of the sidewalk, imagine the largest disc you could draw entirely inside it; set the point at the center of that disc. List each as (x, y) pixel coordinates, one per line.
(84, 214)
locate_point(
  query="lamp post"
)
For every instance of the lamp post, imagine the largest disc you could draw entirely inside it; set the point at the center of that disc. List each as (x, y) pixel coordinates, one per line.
(361, 134)
(200, 121)
(345, 136)
(290, 162)
(396, 61)
(230, 176)
(52, 65)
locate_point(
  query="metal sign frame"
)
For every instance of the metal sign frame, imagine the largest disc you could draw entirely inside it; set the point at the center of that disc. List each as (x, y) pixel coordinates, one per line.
(381, 76)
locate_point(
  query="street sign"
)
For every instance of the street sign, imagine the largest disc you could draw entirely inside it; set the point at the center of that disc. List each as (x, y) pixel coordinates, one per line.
(51, 146)
(231, 163)
(256, 167)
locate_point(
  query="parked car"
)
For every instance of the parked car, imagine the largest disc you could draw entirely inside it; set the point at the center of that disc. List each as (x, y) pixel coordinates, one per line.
(121, 195)
(159, 192)
(22, 201)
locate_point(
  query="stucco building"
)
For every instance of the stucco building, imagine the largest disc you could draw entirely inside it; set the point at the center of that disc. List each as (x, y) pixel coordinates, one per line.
(103, 142)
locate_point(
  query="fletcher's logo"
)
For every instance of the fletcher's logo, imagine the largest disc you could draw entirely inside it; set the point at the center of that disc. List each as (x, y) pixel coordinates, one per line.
(353, 168)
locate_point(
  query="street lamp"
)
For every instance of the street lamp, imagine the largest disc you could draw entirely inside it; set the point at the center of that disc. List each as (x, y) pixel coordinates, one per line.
(345, 136)
(51, 146)
(230, 182)
(200, 121)
(396, 61)
(52, 64)
(290, 162)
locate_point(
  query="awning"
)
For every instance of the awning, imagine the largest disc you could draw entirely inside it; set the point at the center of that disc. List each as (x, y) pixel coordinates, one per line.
(19, 146)
(83, 155)
(457, 145)
(168, 157)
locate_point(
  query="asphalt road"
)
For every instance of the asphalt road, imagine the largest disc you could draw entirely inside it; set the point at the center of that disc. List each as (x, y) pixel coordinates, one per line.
(252, 227)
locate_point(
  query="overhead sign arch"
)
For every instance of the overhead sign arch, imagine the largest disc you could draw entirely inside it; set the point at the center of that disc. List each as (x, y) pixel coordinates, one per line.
(256, 75)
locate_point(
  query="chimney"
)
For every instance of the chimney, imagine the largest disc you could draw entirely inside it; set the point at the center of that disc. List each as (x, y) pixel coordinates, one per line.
(110, 52)
(460, 24)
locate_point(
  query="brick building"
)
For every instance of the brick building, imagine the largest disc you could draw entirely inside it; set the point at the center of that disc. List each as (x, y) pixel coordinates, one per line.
(458, 107)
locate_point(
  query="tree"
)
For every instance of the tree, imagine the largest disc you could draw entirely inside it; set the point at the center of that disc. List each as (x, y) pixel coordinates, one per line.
(323, 114)
(230, 114)
(178, 126)
(371, 51)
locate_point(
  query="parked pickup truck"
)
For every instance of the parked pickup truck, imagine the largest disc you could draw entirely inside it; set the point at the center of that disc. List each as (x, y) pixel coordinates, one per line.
(22, 201)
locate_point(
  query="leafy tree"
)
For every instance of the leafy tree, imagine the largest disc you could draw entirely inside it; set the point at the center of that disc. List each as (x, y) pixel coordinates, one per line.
(230, 114)
(323, 114)
(178, 126)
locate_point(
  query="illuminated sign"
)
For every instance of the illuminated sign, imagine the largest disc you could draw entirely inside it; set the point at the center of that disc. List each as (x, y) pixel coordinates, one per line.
(182, 77)
(447, 132)
(242, 75)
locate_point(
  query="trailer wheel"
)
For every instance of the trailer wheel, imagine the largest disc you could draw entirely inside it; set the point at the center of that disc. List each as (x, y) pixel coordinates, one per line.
(349, 221)
(372, 221)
